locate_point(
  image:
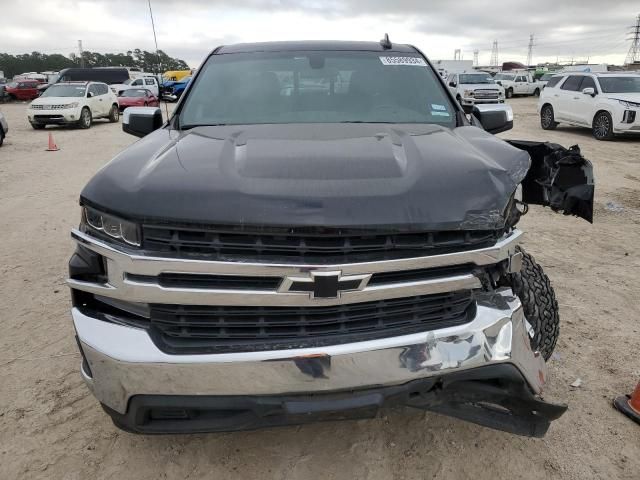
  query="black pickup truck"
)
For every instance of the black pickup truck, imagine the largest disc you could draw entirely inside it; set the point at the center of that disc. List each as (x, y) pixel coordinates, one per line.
(317, 231)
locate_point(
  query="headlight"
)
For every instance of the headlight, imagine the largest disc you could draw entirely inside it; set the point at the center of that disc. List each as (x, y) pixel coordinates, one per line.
(113, 227)
(627, 104)
(468, 93)
(72, 105)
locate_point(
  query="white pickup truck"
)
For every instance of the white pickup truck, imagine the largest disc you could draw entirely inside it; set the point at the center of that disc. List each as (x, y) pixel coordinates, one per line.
(474, 88)
(518, 83)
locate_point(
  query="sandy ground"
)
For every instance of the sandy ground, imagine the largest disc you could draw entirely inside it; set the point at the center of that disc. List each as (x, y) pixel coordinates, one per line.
(52, 428)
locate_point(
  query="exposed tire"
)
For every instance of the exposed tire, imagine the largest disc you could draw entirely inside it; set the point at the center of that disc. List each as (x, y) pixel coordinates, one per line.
(114, 114)
(602, 127)
(1, 137)
(533, 288)
(508, 93)
(536, 92)
(85, 118)
(547, 118)
(37, 126)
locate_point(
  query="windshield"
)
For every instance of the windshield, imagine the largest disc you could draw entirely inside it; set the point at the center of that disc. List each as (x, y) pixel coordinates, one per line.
(128, 81)
(546, 77)
(134, 92)
(65, 91)
(316, 87)
(620, 84)
(474, 78)
(502, 76)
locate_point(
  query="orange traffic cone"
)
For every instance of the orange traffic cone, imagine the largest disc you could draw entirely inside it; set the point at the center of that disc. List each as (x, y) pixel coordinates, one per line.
(630, 404)
(52, 145)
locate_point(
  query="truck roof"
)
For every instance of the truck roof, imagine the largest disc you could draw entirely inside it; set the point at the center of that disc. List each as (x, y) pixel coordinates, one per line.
(314, 45)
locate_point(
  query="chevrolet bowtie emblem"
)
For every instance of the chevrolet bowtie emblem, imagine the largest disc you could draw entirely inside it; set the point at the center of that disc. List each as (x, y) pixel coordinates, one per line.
(324, 284)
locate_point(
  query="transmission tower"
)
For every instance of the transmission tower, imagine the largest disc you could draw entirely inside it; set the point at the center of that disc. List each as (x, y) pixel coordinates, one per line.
(457, 54)
(634, 51)
(475, 57)
(530, 52)
(494, 54)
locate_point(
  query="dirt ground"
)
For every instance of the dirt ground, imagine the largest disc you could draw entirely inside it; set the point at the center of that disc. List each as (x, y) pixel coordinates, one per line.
(52, 428)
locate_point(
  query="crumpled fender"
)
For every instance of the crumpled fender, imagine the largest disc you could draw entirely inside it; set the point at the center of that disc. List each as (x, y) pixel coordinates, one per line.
(559, 178)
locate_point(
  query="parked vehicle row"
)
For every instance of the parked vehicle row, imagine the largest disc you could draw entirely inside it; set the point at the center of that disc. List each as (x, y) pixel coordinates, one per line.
(607, 103)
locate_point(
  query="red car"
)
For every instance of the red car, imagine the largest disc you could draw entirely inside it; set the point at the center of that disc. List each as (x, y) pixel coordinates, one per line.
(137, 97)
(23, 89)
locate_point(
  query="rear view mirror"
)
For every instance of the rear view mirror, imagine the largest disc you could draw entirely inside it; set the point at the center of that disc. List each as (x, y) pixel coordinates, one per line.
(589, 91)
(494, 118)
(452, 84)
(141, 121)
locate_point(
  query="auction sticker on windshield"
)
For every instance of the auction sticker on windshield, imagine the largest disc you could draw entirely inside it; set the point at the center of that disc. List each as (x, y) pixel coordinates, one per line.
(413, 61)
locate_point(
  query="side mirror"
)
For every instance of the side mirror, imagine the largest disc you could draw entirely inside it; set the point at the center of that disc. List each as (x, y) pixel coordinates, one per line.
(141, 121)
(494, 118)
(452, 84)
(589, 91)
(90, 94)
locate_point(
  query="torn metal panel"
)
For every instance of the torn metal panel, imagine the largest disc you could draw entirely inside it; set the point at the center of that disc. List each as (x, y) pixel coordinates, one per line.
(559, 178)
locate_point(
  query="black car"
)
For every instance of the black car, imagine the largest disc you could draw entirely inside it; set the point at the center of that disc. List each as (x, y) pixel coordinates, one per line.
(319, 231)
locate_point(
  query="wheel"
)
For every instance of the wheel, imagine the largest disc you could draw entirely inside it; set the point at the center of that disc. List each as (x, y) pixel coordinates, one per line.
(508, 93)
(37, 126)
(547, 117)
(85, 118)
(536, 92)
(603, 126)
(533, 288)
(1, 137)
(114, 114)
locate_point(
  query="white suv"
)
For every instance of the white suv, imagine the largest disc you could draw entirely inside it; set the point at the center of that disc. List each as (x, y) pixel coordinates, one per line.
(73, 103)
(608, 103)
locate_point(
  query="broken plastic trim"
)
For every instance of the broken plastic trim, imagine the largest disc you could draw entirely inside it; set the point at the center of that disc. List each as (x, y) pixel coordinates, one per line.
(559, 178)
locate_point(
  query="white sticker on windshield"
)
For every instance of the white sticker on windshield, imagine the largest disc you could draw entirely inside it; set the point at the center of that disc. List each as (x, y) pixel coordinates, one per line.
(413, 61)
(440, 114)
(435, 106)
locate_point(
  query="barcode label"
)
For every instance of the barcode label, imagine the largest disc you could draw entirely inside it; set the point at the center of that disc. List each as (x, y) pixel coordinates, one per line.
(415, 61)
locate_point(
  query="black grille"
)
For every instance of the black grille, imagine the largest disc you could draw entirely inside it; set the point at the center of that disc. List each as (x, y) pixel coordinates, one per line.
(341, 246)
(182, 329)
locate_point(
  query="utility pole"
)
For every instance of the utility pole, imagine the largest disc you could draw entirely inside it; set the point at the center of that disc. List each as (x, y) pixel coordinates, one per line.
(494, 54)
(457, 54)
(476, 52)
(634, 51)
(530, 53)
(80, 53)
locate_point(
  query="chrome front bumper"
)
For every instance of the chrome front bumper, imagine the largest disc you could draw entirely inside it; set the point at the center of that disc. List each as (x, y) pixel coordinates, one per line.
(125, 362)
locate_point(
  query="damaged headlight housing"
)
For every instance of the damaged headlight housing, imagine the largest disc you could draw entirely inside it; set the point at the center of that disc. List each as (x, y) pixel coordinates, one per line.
(111, 226)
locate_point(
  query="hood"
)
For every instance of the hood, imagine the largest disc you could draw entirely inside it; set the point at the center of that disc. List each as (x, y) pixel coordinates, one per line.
(423, 177)
(629, 97)
(56, 100)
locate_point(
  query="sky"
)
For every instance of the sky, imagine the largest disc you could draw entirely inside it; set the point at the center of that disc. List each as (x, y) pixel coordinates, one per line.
(189, 29)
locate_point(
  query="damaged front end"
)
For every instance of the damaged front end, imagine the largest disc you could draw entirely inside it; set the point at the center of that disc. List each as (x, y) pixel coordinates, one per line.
(559, 178)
